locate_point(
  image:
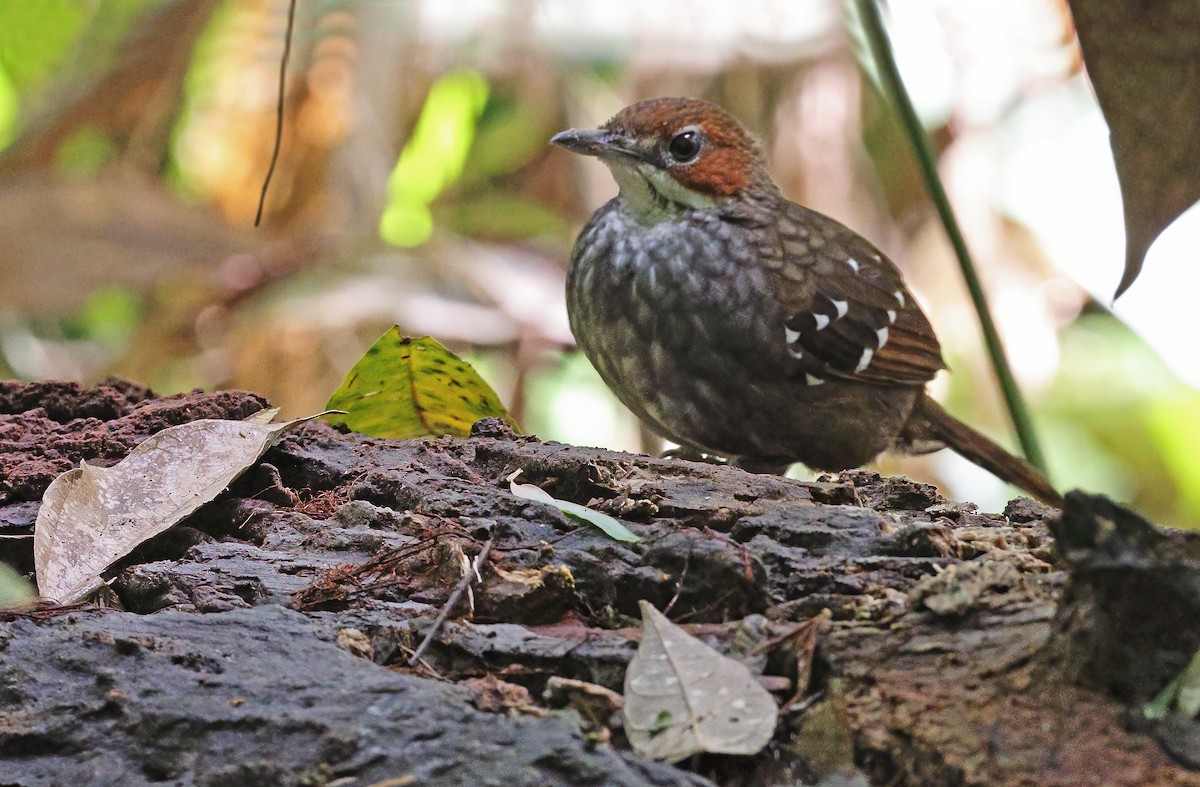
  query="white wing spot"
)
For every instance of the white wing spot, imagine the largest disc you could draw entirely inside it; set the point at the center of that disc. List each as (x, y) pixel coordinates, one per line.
(882, 334)
(853, 263)
(812, 380)
(795, 354)
(891, 315)
(841, 306)
(822, 321)
(789, 335)
(865, 360)
(900, 298)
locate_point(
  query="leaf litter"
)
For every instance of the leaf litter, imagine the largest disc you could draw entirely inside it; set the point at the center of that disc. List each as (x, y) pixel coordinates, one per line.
(91, 517)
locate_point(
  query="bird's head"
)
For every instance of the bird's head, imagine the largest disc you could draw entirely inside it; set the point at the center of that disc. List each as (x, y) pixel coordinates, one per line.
(672, 154)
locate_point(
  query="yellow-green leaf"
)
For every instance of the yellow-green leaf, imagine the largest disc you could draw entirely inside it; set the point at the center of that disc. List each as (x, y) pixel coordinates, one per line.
(404, 388)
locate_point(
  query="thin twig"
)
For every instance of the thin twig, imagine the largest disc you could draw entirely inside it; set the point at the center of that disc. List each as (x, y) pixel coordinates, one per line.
(428, 667)
(452, 602)
(678, 586)
(287, 52)
(889, 74)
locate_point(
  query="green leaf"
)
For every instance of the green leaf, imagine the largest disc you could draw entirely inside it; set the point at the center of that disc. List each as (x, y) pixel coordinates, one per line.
(611, 527)
(15, 590)
(433, 157)
(36, 38)
(662, 721)
(403, 388)
(1181, 695)
(85, 152)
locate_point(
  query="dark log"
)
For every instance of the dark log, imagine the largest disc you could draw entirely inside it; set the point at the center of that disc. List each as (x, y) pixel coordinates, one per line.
(267, 641)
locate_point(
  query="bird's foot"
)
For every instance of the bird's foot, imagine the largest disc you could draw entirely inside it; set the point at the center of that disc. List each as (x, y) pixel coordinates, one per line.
(749, 464)
(692, 455)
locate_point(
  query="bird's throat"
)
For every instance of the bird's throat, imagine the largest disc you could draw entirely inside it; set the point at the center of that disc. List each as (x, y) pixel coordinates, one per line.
(651, 194)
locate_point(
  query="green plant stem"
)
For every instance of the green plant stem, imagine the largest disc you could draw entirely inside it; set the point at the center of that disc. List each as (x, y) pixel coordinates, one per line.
(881, 51)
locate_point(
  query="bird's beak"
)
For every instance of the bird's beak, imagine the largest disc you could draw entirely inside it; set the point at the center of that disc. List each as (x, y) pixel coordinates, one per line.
(600, 142)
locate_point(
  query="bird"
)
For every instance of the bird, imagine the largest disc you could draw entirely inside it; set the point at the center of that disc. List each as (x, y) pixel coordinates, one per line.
(739, 324)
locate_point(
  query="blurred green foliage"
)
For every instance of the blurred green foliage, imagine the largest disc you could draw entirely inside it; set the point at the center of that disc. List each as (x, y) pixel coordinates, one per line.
(199, 86)
(506, 139)
(1116, 393)
(15, 590)
(433, 157)
(85, 152)
(10, 109)
(42, 40)
(110, 316)
(37, 37)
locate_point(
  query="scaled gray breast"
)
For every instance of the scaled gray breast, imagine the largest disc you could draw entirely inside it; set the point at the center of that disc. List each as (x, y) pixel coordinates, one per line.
(686, 285)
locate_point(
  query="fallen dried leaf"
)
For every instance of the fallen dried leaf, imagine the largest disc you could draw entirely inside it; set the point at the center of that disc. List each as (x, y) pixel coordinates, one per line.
(1141, 60)
(91, 517)
(682, 697)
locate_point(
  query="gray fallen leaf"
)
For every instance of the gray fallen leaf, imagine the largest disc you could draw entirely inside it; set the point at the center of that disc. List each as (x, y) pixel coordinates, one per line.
(682, 697)
(93, 516)
(610, 526)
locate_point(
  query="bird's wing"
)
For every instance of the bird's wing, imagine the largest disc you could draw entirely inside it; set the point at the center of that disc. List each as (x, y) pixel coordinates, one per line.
(847, 310)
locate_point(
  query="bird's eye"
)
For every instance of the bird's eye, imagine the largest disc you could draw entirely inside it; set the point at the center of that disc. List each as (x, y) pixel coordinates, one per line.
(684, 146)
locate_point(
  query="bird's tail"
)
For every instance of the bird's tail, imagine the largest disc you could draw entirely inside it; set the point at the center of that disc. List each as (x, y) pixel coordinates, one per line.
(930, 423)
